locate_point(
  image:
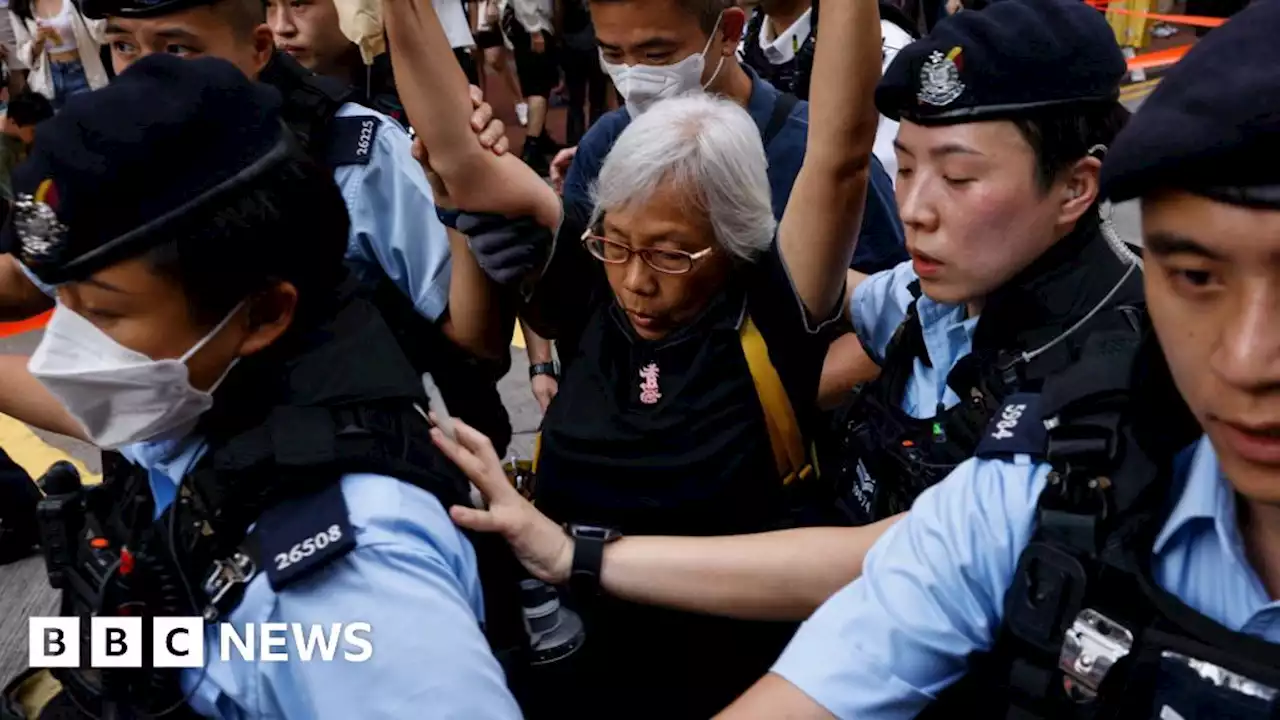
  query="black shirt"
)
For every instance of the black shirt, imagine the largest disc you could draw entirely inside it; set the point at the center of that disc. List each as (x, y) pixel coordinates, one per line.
(695, 462)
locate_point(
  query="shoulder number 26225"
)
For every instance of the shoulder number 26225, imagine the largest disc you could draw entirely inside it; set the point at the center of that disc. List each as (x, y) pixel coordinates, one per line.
(308, 547)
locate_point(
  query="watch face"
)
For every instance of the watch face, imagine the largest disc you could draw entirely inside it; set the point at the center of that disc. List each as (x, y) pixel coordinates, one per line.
(591, 532)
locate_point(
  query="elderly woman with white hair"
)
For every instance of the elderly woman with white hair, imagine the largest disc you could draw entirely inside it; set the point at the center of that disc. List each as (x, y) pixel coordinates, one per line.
(688, 326)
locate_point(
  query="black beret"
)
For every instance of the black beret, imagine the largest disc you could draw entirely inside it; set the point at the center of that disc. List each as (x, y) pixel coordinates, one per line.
(110, 171)
(1213, 124)
(1008, 58)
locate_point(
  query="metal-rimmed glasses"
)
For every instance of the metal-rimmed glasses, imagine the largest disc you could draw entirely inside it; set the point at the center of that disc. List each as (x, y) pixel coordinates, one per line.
(669, 262)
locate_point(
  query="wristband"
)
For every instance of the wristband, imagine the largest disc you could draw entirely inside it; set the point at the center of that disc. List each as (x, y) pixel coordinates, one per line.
(544, 368)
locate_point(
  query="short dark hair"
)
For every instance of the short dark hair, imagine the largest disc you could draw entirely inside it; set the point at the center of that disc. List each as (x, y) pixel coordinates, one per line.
(29, 109)
(1061, 136)
(707, 11)
(244, 16)
(288, 224)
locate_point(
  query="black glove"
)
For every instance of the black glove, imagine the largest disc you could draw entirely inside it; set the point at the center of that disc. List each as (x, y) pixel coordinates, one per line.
(507, 249)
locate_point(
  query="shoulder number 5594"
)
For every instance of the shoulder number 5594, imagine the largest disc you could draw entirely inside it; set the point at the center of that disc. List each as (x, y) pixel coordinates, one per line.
(308, 547)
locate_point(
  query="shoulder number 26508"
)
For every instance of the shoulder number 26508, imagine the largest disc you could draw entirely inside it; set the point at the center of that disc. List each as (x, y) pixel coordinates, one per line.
(308, 547)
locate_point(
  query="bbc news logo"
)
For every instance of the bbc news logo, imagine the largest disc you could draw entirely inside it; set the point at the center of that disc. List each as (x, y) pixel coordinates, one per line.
(179, 642)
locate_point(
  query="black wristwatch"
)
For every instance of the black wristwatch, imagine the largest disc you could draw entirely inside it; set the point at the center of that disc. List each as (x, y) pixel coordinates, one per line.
(544, 368)
(588, 556)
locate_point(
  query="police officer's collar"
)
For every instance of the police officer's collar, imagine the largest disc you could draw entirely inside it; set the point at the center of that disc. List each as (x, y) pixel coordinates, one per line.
(783, 48)
(1206, 495)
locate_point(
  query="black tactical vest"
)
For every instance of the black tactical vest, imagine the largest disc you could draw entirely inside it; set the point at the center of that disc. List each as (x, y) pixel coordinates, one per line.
(1087, 632)
(882, 458)
(288, 425)
(468, 384)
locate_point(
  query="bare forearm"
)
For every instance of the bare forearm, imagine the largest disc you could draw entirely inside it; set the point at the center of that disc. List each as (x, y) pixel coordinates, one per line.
(774, 698)
(537, 347)
(820, 226)
(23, 398)
(842, 112)
(847, 366)
(432, 86)
(475, 319)
(782, 575)
(434, 92)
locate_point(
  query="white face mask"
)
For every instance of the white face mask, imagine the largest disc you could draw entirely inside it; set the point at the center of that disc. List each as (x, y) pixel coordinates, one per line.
(643, 85)
(119, 395)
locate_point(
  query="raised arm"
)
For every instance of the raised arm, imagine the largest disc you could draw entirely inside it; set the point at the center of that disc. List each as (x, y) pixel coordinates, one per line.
(820, 225)
(434, 91)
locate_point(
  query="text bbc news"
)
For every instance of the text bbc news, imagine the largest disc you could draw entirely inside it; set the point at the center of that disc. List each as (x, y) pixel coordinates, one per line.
(180, 642)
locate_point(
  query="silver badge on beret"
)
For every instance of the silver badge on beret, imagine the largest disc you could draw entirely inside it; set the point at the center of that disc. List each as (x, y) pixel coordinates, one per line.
(940, 79)
(38, 228)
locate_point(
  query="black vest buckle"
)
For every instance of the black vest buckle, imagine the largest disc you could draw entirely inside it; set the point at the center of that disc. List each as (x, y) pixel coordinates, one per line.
(1091, 647)
(1047, 590)
(225, 577)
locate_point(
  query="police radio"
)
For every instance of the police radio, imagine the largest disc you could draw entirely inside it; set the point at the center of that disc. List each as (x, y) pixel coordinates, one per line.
(60, 515)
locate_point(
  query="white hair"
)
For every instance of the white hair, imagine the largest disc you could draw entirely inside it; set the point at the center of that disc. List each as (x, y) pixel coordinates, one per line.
(710, 150)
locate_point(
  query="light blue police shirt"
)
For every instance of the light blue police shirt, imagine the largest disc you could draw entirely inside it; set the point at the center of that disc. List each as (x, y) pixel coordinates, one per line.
(879, 305)
(932, 588)
(412, 577)
(394, 228)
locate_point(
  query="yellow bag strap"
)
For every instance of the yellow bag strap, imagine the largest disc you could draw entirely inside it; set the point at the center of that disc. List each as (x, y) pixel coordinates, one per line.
(32, 691)
(779, 416)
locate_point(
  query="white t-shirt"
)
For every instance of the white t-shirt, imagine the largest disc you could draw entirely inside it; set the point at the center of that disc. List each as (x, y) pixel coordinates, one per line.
(454, 19)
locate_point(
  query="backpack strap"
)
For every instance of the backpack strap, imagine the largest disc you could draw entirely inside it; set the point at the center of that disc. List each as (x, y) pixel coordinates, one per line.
(779, 416)
(778, 119)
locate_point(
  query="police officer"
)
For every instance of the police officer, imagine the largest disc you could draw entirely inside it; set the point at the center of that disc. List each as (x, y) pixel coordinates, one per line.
(1103, 561)
(311, 33)
(1012, 283)
(400, 252)
(1006, 114)
(205, 328)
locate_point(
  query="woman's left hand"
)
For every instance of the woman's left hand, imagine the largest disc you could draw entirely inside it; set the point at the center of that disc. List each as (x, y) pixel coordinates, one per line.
(539, 543)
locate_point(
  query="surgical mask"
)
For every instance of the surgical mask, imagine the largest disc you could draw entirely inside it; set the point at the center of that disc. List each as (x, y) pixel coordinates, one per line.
(643, 85)
(120, 396)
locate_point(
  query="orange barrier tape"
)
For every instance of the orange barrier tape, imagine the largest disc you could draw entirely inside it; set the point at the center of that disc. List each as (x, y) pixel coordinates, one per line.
(10, 329)
(1158, 58)
(1195, 20)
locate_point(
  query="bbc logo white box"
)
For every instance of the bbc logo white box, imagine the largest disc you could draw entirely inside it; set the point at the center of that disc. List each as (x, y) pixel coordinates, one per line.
(115, 642)
(177, 642)
(53, 642)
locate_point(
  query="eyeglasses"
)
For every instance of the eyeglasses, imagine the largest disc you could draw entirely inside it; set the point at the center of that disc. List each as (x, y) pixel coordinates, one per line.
(670, 262)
